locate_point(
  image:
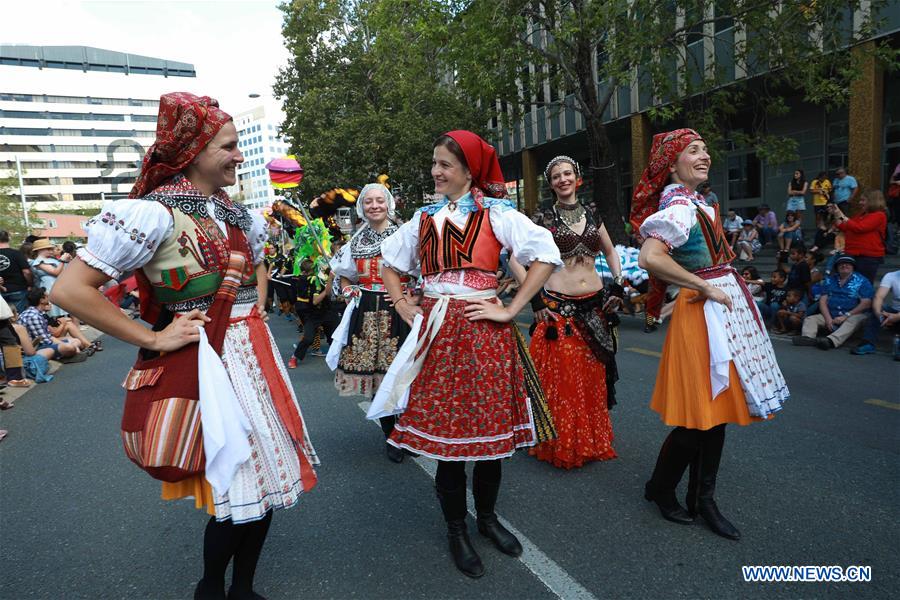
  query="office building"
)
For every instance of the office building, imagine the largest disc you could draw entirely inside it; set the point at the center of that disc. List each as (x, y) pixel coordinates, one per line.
(259, 142)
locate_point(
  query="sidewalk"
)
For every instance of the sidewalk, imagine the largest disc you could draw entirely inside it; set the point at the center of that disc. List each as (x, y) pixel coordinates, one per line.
(12, 394)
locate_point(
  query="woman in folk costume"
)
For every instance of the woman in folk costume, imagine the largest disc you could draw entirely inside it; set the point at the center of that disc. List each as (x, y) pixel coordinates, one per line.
(199, 264)
(717, 366)
(573, 345)
(371, 332)
(472, 391)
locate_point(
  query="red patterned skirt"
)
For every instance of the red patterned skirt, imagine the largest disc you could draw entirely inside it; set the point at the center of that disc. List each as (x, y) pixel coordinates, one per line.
(469, 402)
(574, 383)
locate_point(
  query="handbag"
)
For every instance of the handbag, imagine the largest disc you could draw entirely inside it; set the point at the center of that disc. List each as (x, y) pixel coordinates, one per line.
(161, 430)
(5, 310)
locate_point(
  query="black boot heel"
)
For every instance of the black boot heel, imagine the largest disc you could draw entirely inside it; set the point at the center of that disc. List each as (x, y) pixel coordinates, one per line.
(464, 555)
(503, 539)
(668, 506)
(718, 523)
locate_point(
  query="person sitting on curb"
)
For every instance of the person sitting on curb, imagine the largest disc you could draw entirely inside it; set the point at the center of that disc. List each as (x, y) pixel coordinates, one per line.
(843, 308)
(790, 316)
(766, 224)
(38, 328)
(883, 316)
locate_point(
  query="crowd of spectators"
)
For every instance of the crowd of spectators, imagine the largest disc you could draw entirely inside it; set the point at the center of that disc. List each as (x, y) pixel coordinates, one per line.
(33, 331)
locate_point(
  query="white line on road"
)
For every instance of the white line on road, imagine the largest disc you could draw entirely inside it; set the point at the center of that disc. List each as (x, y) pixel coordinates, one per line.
(544, 568)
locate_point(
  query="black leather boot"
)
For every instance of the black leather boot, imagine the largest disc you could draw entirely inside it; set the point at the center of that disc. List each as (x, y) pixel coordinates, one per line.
(690, 499)
(453, 505)
(676, 453)
(711, 454)
(489, 526)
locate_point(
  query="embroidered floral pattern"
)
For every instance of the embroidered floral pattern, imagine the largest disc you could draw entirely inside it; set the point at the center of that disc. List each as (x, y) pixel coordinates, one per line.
(135, 235)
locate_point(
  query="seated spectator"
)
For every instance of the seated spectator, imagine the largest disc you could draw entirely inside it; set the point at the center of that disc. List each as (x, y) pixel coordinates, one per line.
(776, 292)
(732, 225)
(12, 355)
(789, 231)
(798, 275)
(790, 316)
(766, 224)
(748, 242)
(883, 316)
(816, 279)
(754, 284)
(35, 321)
(843, 308)
(826, 231)
(708, 194)
(35, 362)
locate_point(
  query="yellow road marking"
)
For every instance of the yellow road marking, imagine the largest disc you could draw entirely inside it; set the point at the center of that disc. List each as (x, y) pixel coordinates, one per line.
(882, 403)
(644, 351)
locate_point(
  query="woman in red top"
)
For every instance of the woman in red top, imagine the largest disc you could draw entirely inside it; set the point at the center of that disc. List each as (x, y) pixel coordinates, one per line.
(865, 232)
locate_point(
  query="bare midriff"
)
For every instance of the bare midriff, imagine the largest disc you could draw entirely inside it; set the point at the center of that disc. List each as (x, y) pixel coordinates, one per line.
(576, 278)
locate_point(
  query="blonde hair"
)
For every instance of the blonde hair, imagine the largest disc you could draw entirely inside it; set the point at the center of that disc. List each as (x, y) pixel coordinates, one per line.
(874, 201)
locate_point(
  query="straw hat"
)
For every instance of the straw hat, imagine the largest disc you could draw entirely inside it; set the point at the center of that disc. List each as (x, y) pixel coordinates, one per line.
(42, 244)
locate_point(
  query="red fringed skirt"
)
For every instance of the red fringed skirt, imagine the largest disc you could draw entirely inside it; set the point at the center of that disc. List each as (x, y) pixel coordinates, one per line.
(574, 383)
(469, 402)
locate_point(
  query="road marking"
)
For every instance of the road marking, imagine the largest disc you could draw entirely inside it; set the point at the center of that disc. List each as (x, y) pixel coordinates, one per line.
(542, 566)
(644, 351)
(882, 403)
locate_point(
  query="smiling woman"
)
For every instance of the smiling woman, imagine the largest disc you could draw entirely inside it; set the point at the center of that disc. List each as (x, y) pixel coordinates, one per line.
(234, 439)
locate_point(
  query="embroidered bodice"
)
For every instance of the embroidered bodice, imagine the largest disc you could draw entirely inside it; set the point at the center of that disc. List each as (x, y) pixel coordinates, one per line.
(473, 246)
(571, 244)
(690, 228)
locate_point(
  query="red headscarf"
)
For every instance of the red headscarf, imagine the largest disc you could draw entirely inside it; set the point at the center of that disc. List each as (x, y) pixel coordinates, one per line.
(487, 178)
(185, 125)
(663, 153)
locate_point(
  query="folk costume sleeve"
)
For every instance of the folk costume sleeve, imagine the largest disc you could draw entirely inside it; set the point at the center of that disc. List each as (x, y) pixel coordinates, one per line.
(125, 235)
(400, 251)
(525, 240)
(672, 223)
(343, 265)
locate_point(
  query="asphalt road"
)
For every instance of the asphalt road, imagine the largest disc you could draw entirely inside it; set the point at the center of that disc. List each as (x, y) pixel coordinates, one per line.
(816, 486)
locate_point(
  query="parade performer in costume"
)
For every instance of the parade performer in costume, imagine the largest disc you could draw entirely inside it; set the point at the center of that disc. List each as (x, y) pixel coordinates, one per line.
(472, 390)
(366, 342)
(717, 365)
(200, 270)
(574, 345)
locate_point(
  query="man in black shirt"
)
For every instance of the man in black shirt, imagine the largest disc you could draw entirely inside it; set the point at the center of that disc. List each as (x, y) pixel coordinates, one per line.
(314, 308)
(15, 274)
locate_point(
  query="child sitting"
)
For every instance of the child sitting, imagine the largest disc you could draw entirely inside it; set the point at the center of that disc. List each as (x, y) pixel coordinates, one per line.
(789, 317)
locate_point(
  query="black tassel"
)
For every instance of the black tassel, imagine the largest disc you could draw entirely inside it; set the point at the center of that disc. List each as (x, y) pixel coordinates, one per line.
(568, 329)
(551, 333)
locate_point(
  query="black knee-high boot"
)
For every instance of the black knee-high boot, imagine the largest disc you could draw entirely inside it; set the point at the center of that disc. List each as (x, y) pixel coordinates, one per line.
(485, 488)
(450, 485)
(394, 453)
(219, 543)
(712, 442)
(677, 451)
(246, 557)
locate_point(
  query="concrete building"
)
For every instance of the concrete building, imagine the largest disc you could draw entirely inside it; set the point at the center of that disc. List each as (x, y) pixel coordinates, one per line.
(259, 142)
(864, 136)
(79, 119)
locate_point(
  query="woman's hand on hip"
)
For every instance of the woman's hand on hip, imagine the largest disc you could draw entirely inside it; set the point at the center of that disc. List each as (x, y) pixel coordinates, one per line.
(180, 332)
(711, 292)
(488, 310)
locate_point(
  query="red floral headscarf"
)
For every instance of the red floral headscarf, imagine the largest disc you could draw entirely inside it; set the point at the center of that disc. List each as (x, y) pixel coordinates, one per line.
(487, 178)
(185, 125)
(663, 153)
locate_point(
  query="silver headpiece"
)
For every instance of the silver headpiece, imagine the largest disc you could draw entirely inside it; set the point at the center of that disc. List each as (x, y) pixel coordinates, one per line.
(562, 158)
(388, 196)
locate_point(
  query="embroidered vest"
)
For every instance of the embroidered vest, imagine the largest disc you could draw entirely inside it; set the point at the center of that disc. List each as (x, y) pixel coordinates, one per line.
(188, 267)
(369, 271)
(706, 245)
(473, 247)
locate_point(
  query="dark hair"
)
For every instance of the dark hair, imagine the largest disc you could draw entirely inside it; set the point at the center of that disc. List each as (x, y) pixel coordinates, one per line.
(816, 255)
(69, 247)
(4, 237)
(450, 144)
(753, 272)
(822, 175)
(798, 246)
(781, 272)
(796, 290)
(35, 295)
(30, 239)
(790, 213)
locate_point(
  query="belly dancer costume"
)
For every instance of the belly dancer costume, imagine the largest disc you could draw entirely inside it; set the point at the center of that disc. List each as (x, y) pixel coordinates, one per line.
(575, 360)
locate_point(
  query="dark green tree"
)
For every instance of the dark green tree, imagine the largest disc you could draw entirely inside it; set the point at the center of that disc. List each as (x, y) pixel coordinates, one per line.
(11, 217)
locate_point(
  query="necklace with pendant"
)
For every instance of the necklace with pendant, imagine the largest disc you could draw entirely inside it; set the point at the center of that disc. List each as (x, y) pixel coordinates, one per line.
(570, 213)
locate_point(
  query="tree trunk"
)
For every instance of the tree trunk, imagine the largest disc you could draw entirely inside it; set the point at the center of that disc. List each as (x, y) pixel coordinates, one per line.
(603, 177)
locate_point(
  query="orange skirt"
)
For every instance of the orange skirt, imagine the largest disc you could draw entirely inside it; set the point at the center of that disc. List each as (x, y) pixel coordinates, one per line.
(683, 391)
(196, 486)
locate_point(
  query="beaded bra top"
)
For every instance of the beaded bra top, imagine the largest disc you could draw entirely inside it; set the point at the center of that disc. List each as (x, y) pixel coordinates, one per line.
(571, 244)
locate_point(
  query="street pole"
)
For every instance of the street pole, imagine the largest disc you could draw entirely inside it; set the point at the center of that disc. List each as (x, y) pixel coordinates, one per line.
(22, 195)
